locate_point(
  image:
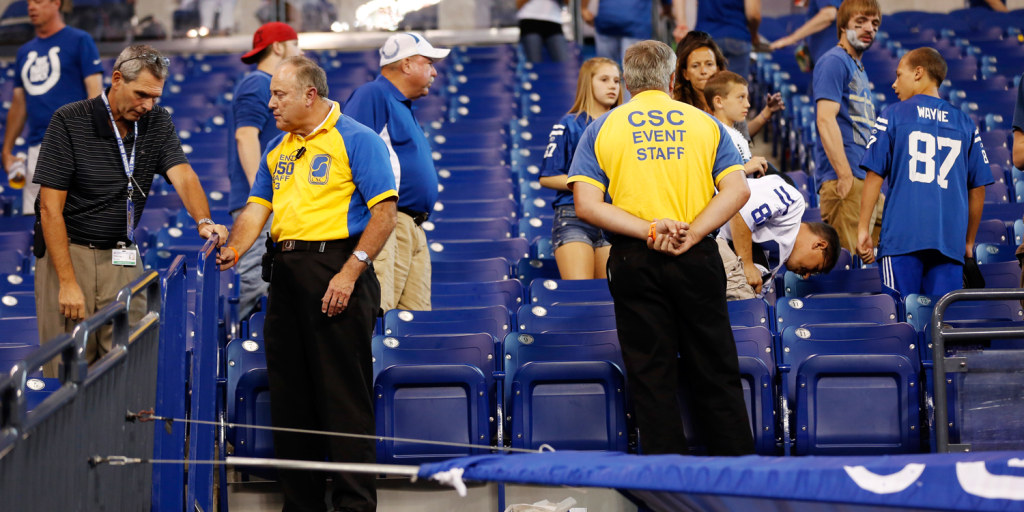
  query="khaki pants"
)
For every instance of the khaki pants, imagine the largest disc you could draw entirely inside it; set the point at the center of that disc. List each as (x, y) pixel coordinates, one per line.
(100, 281)
(844, 214)
(403, 268)
(736, 287)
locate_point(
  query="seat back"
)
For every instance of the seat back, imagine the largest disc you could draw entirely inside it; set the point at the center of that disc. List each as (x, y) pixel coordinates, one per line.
(566, 390)
(493, 320)
(566, 317)
(248, 399)
(437, 388)
(874, 308)
(858, 280)
(508, 293)
(750, 313)
(548, 292)
(854, 388)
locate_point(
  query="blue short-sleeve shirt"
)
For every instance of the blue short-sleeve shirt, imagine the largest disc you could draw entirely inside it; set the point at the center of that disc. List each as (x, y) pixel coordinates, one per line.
(248, 108)
(381, 107)
(52, 71)
(826, 39)
(839, 78)
(1018, 111)
(723, 19)
(930, 154)
(561, 145)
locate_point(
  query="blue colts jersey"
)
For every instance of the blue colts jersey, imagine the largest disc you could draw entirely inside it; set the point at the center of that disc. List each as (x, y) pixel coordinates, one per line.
(930, 154)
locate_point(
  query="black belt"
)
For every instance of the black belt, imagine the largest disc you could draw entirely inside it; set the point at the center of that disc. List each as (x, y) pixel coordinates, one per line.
(417, 217)
(346, 244)
(103, 246)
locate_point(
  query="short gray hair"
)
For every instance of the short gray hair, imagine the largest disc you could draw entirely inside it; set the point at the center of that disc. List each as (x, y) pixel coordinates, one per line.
(136, 58)
(648, 65)
(308, 74)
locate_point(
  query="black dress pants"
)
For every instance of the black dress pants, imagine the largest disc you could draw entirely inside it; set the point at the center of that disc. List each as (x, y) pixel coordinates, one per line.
(674, 331)
(321, 377)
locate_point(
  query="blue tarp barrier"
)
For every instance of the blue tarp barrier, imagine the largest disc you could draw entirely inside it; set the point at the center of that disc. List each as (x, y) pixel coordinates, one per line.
(969, 481)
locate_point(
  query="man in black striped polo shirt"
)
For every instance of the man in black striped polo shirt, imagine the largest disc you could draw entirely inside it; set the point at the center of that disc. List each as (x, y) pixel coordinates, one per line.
(95, 181)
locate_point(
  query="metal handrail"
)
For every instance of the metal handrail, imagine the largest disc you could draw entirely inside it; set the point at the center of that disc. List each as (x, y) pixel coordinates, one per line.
(939, 336)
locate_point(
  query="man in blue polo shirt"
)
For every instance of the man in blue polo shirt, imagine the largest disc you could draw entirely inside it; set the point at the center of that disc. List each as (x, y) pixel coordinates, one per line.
(385, 106)
(59, 66)
(254, 127)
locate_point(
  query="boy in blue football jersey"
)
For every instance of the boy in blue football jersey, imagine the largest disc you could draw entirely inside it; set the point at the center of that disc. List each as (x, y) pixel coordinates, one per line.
(931, 154)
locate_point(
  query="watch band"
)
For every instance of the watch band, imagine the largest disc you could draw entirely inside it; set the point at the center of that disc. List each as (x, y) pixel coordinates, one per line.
(205, 220)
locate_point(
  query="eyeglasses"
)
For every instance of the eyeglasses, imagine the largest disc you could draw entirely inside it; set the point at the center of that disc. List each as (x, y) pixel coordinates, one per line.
(151, 58)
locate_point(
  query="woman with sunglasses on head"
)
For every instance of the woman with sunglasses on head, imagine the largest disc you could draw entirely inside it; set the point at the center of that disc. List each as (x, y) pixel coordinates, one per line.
(581, 250)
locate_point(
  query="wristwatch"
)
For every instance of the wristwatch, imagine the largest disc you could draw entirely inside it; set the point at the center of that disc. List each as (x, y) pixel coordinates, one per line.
(205, 220)
(362, 256)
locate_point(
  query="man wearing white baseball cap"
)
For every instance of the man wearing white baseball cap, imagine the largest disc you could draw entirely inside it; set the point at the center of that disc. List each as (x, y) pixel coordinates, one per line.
(385, 106)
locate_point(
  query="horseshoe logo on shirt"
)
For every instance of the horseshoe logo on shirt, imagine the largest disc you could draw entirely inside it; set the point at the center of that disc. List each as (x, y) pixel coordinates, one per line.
(45, 69)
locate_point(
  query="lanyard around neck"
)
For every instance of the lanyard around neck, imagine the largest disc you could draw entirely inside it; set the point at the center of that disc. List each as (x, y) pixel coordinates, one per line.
(128, 162)
(129, 166)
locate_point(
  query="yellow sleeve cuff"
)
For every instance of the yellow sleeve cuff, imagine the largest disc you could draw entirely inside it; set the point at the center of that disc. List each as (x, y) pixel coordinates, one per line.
(380, 197)
(718, 179)
(584, 179)
(260, 200)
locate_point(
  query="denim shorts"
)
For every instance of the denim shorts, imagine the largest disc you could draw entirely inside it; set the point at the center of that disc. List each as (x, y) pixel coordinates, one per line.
(567, 227)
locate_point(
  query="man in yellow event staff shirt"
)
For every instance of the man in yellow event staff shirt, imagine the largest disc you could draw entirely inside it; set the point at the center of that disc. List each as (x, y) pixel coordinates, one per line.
(329, 182)
(660, 160)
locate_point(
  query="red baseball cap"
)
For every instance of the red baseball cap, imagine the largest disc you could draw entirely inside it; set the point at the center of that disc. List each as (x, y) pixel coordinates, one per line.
(270, 33)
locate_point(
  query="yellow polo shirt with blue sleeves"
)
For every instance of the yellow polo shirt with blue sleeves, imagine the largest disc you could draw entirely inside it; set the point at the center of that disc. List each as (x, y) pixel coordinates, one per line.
(324, 192)
(656, 157)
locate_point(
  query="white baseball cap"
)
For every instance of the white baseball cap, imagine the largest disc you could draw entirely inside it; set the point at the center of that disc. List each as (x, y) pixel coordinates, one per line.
(407, 44)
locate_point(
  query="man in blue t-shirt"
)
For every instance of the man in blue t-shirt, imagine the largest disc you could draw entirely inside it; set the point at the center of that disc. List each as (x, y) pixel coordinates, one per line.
(618, 24)
(253, 127)
(385, 106)
(932, 157)
(845, 111)
(821, 17)
(59, 66)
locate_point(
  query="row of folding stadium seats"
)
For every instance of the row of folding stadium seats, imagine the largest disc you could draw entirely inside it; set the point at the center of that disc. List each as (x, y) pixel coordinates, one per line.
(565, 389)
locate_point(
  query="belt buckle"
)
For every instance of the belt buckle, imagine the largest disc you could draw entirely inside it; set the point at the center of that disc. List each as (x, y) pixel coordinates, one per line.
(288, 245)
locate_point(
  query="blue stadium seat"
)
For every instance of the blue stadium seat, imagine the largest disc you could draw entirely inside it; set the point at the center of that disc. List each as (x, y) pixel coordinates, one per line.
(37, 389)
(566, 317)
(493, 320)
(750, 313)
(541, 248)
(547, 292)
(11, 353)
(474, 209)
(533, 228)
(511, 249)
(566, 390)
(859, 280)
(853, 389)
(248, 399)
(453, 190)
(835, 309)
(994, 253)
(468, 229)
(18, 304)
(757, 374)
(529, 269)
(16, 283)
(1004, 274)
(23, 330)
(507, 293)
(439, 388)
(475, 270)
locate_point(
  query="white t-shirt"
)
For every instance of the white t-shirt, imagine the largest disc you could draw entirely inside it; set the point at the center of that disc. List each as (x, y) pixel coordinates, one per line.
(544, 10)
(740, 141)
(772, 213)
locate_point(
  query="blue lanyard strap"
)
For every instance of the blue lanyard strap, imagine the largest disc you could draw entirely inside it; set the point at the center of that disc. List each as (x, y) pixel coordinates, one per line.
(128, 162)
